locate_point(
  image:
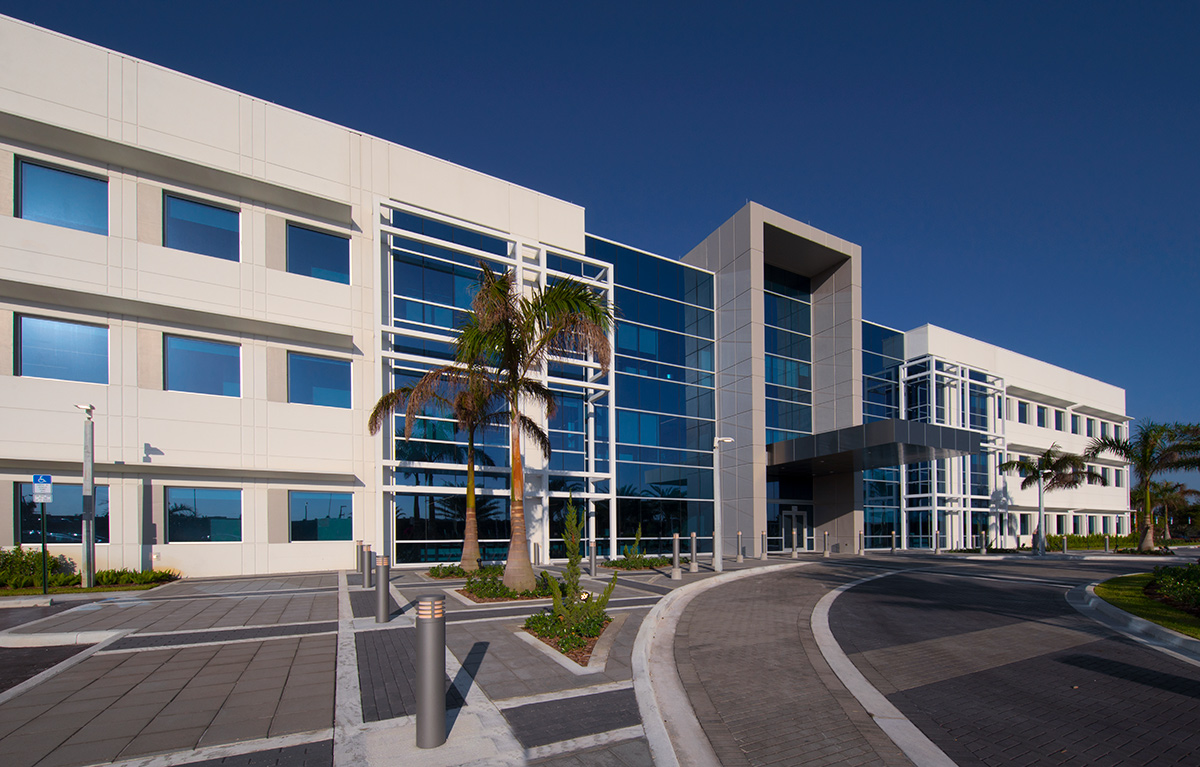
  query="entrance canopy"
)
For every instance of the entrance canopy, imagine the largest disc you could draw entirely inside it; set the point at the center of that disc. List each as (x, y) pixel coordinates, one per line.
(877, 445)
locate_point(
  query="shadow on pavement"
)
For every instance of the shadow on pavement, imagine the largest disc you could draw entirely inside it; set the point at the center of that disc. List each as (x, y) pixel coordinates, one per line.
(456, 695)
(1180, 685)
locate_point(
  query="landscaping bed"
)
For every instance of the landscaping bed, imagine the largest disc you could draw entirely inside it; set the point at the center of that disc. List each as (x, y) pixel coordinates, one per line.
(21, 574)
(1170, 599)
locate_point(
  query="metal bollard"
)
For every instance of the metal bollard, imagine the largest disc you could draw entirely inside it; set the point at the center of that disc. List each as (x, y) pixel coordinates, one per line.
(1064, 543)
(740, 558)
(537, 554)
(431, 671)
(862, 547)
(592, 559)
(676, 573)
(367, 562)
(1106, 544)
(825, 551)
(383, 579)
(694, 562)
(982, 545)
(893, 541)
(358, 560)
(937, 542)
(795, 543)
(763, 554)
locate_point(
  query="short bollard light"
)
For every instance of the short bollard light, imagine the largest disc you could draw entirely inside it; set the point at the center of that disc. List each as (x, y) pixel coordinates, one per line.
(763, 553)
(740, 557)
(676, 573)
(358, 560)
(694, 560)
(368, 565)
(982, 545)
(431, 671)
(861, 546)
(795, 543)
(383, 580)
(893, 541)
(1106, 544)
(825, 551)
(1064, 543)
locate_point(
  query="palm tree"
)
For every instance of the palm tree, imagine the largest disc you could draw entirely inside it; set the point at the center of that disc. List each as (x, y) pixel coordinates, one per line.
(1153, 449)
(1052, 470)
(1170, 497)
(466, 390)
(515, 332)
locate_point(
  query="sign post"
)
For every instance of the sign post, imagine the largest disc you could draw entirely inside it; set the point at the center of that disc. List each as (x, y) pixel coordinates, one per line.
(43, 493)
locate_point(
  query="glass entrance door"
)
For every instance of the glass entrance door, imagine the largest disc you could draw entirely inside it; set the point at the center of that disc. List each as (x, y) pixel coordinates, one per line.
(797, 519)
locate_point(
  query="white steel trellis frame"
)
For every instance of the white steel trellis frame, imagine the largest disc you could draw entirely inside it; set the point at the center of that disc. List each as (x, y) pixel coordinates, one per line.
(523, 257)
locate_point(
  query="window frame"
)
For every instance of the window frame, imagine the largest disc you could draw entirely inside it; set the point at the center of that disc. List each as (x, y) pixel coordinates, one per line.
(167, 194)
(166, 337)
(291, 522)
(167, 525)
(19, 189)
(18, 358)
(350, 384)
(287, 246)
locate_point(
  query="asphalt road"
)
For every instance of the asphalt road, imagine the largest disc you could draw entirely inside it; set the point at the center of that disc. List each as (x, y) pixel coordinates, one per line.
(995, 667)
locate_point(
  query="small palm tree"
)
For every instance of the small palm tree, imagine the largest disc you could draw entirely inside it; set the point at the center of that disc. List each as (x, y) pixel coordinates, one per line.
(1154, 448)
(515, 332)
(467, 392)
(1052, 470)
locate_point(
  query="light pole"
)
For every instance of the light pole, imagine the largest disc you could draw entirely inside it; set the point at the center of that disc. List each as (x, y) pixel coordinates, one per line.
(718, 565)
(88, 576)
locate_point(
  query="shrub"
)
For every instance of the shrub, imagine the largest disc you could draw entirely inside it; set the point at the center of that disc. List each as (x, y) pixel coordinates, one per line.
(22, 568)
(575, 615)
(488, 585)
(456, 571)
(1179, 583)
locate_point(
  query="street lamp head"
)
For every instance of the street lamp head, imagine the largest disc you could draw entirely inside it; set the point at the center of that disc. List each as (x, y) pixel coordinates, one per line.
(719, 440)
(88, 409)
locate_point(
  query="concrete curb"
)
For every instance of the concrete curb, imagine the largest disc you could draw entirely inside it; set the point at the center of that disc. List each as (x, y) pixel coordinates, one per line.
(670, 723)
(1085, 600)
(26, 601)
(916, 746)
(57, 639)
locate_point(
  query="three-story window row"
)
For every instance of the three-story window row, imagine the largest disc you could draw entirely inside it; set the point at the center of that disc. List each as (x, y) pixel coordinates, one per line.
(76, 351)
(77, 200)
(1090, 427)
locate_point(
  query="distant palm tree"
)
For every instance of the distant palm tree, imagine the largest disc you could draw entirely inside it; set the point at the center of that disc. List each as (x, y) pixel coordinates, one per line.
(467, 391)
(1170, 497)
(1052, 470)
(1153, 448)
(514, 331)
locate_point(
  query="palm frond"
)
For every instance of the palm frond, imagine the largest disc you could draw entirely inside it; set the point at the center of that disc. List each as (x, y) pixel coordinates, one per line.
(536, 434)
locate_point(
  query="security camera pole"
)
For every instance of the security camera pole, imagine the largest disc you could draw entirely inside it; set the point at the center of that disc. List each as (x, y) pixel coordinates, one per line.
(88, 576)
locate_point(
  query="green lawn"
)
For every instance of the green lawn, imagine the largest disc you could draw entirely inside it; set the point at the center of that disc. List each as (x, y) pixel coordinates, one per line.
(37, 590)
(1127, 593)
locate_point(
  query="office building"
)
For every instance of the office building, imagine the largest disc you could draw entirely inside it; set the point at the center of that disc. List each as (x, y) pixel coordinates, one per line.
(233, 284)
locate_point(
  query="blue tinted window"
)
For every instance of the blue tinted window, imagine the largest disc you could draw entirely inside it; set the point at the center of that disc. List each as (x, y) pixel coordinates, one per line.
(64, 515)
(67, 351)
(204, 367)
(318, 380)
(62, 198)
(320, 516)
(441, 231)
(196, 514)
(200, 228)
(318, 254)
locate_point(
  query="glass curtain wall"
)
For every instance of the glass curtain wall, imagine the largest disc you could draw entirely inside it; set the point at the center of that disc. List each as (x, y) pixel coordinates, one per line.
(787, 365)
(434, 267)
(882, 356)
(665, 399)
(957, 491)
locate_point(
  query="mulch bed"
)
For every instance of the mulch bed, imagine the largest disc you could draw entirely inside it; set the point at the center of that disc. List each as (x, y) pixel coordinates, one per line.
(482, 600)
(581, 656)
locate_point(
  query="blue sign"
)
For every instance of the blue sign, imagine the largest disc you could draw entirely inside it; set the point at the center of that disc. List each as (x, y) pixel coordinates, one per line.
(41, 479)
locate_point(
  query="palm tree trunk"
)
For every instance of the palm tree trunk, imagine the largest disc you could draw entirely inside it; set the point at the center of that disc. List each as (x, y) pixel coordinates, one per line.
(1147, 541)
(470, 552)
(518, 572)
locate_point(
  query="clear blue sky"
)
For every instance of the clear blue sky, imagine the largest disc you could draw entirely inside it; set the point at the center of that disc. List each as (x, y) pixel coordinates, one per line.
(1025, 173)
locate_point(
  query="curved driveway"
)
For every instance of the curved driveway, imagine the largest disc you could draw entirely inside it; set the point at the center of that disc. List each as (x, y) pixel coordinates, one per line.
(986, 658)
